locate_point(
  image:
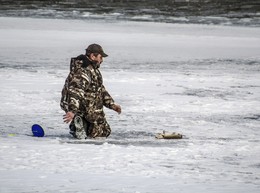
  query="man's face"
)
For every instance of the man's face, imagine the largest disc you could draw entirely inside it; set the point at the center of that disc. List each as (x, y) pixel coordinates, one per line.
(98, 59)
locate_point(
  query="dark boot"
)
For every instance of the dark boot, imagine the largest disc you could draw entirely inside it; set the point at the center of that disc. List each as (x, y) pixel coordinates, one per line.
(78, 127)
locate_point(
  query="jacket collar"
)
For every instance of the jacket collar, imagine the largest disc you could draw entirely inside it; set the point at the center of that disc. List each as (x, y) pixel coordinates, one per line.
(87, 61)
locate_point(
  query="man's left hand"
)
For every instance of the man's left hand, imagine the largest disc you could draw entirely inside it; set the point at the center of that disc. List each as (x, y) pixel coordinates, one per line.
(117, 108)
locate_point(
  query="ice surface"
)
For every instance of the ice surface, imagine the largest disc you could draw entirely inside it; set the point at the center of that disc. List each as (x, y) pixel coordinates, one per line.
(198, 80)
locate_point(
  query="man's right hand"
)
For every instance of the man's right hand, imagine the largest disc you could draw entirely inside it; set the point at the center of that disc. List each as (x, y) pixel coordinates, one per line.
(68, 117)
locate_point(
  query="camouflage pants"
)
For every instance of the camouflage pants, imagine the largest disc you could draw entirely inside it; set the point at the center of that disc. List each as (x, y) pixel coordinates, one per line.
(86, 129)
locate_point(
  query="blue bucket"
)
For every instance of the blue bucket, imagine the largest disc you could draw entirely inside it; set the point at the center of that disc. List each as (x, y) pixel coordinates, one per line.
(37, 130)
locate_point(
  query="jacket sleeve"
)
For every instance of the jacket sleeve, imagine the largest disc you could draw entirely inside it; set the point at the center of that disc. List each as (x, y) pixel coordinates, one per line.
(79, 83)
(107, 99)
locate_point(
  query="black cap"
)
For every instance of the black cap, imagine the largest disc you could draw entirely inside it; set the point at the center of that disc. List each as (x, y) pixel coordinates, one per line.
(95, 48)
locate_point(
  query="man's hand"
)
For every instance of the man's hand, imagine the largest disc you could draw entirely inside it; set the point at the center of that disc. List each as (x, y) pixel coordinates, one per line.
(68, 117)
(117, 108)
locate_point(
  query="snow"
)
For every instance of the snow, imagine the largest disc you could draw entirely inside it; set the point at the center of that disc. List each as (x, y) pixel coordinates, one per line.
(198, 80)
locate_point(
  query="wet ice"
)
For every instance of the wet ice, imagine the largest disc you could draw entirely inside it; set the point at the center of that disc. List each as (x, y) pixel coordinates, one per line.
(199, 80)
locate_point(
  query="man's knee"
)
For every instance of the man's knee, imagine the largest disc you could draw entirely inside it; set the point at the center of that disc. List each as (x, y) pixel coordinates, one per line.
(100, 129)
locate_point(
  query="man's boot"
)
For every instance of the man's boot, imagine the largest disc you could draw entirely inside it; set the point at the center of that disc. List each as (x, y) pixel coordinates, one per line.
(80, 126)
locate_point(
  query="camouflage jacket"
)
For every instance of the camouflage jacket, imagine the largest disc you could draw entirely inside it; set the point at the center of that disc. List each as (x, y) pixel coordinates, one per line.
(84, 92)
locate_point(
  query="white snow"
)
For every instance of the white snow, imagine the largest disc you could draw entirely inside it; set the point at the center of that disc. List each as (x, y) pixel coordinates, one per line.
(198, 80)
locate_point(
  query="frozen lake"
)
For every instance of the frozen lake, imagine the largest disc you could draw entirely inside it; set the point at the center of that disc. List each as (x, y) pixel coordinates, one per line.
(198, 80)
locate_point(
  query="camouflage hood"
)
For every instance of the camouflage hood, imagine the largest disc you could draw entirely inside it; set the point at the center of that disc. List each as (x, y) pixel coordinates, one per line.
(87, 61)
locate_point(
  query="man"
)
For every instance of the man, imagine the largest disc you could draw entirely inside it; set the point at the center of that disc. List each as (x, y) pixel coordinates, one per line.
(84, 95)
